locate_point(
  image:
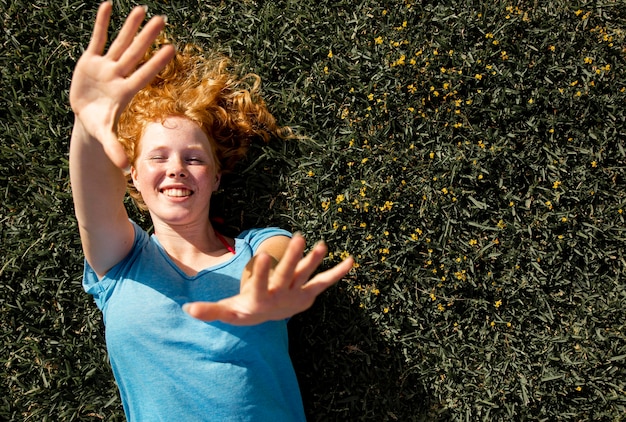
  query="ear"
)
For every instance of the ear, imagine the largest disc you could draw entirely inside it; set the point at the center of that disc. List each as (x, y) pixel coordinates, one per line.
(218, 179)
(133, 175)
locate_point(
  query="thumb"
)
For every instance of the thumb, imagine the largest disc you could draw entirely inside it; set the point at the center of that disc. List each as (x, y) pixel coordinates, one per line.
(115, 151)
(208, 311)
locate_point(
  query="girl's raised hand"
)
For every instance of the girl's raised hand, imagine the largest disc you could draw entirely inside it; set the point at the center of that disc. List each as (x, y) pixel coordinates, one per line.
(272, 294)
(104, 84)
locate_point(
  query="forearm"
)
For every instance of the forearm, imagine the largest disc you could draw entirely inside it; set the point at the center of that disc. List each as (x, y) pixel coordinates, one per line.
(98, 186)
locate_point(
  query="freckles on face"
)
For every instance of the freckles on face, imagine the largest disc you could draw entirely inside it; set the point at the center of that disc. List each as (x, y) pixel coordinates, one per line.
(175, 158)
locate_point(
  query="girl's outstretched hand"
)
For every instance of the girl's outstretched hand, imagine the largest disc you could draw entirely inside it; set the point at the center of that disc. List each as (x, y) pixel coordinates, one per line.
(103, 84)
(277, 293)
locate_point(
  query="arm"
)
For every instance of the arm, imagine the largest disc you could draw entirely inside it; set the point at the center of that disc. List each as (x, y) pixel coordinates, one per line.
(102, 86)
(276, 284)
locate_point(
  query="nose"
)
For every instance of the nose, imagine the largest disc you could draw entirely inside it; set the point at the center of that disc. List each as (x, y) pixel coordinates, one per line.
(176, 168)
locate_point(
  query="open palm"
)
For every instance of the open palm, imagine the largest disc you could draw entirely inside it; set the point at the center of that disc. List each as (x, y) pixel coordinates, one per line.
(268, 294)
(104, 84)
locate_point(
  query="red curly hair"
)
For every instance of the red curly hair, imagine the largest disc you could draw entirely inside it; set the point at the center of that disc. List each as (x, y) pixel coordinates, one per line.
(206, 89)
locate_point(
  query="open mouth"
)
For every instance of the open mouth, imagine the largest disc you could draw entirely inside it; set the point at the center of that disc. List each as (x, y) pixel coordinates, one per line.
(176, 192)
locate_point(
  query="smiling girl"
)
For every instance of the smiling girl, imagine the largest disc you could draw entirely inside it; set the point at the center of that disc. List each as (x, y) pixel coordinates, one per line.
(195, 322)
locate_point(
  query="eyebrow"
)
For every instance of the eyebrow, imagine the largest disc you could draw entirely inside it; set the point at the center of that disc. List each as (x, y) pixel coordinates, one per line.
(165, 147)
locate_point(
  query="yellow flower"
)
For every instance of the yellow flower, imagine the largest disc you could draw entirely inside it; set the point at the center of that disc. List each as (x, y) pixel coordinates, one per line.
(479, 76)
(501, 224)
(433, 297)
(473, 242)
(387, 207)
(340, 198)
(385, 310)
(311, 173)
(556, 184)
(497, 304)
(588, 60)
(330, 54)
(378, 40)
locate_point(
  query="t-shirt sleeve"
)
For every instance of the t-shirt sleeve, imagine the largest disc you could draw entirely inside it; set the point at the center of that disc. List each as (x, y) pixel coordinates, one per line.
(99, 288)
(255, 237)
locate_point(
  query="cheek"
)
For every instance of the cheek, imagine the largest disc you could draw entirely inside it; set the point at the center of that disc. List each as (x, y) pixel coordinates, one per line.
(142, 176)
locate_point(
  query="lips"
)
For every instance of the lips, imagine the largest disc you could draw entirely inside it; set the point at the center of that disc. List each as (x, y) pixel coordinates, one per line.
(176, 192)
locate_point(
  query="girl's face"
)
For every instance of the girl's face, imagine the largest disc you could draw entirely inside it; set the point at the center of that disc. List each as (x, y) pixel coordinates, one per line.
(176, 171)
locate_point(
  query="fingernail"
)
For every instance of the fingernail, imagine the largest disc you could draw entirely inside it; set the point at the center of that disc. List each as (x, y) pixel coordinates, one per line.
(145, 8)
(186, 307)
(320, 243)
(164, 19)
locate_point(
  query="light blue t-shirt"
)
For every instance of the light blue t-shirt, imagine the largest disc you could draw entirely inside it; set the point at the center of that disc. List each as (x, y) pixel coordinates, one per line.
(172, 367)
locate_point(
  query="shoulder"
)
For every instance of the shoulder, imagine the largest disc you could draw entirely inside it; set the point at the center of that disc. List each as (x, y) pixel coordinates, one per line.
(258, 236)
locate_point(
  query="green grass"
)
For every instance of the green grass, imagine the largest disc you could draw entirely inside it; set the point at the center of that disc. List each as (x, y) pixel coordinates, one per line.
(470, 155)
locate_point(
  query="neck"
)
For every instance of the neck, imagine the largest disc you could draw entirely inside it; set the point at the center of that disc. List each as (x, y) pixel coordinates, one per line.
(192, 247)
(184, 239)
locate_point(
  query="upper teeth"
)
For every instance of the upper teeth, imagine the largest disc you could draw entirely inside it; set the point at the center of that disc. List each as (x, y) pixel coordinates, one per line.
(177, 192)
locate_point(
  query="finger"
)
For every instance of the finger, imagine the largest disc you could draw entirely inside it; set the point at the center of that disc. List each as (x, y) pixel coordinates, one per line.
(325, 279)
(115, 151)
(127, 33)
(100, 29)
(309, 264)
(286, 267)
(136, 50)
(259, 281)
(209, 311)
(142, 76)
